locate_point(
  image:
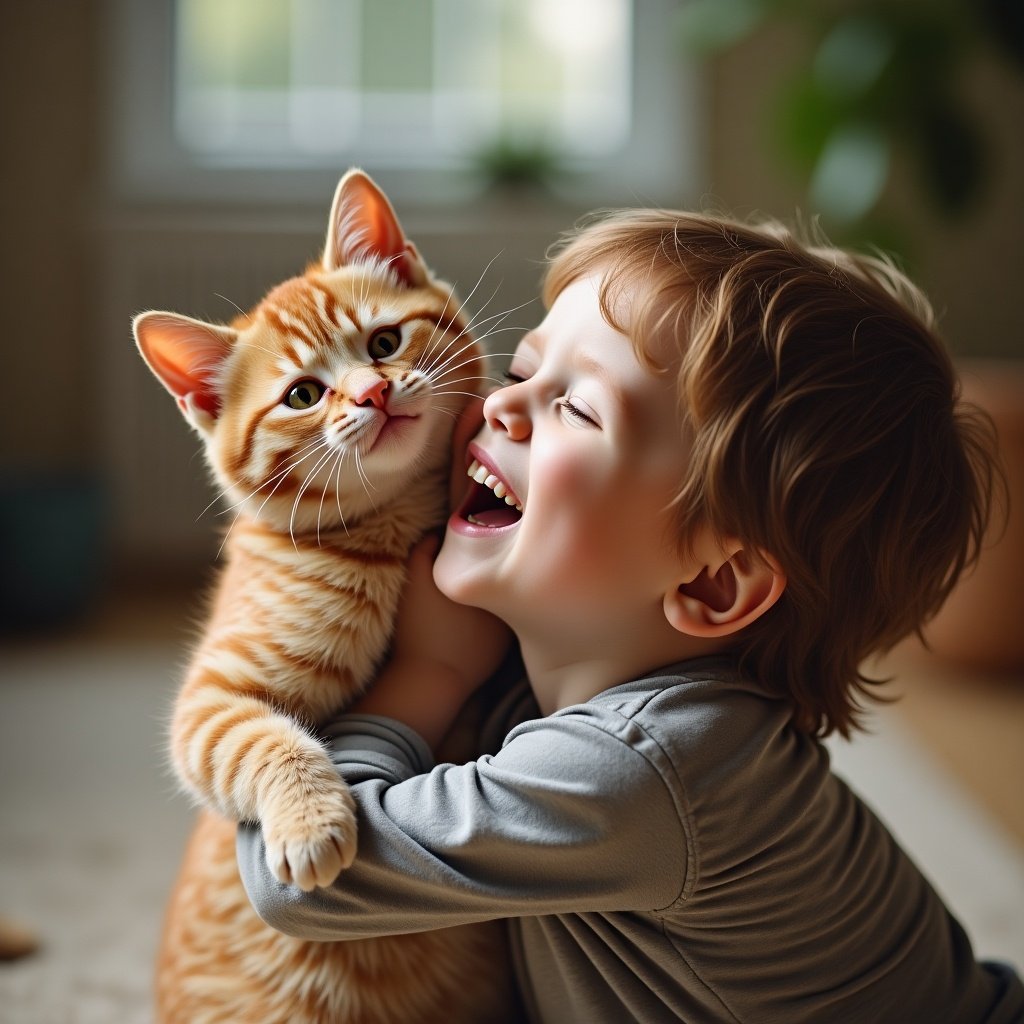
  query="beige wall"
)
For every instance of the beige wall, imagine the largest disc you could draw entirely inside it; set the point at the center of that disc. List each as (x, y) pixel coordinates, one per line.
(48, 137)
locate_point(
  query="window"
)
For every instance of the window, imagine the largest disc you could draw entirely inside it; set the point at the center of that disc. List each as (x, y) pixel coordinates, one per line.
(400, 82)
(220, 100)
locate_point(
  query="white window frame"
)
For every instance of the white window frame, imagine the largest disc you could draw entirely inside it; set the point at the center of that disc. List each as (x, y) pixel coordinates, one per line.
(145, 161)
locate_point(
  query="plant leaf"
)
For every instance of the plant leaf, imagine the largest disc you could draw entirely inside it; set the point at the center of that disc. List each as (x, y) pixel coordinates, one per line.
(851, 173)
(853, 55)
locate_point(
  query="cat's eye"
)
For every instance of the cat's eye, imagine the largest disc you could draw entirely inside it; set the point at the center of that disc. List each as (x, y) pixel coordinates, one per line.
(384, 343)
(304, 395)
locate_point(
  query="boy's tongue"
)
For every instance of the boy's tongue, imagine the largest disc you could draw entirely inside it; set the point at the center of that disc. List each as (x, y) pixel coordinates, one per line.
(494, 517)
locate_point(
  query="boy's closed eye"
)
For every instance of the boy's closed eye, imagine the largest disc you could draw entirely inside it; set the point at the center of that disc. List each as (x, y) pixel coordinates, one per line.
(578, 412)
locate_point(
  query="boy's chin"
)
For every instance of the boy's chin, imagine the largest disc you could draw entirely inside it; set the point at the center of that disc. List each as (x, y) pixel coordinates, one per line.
(456, 580)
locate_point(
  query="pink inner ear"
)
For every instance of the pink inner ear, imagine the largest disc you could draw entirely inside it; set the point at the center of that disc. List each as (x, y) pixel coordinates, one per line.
(384, 235)
(363, 225)
(185, 355)
(172, 365)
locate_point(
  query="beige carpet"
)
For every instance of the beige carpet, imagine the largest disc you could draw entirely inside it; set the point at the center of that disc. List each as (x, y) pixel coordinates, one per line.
(90, 828)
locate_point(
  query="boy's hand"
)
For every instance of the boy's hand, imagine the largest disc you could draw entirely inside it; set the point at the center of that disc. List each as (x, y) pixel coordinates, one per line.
(442, 652)
(431, 630)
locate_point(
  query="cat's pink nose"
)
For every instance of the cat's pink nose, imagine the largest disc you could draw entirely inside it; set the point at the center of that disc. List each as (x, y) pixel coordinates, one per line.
(375, 393)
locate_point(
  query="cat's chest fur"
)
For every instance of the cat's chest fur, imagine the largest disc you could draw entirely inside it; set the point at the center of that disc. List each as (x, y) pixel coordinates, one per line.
(315, 614)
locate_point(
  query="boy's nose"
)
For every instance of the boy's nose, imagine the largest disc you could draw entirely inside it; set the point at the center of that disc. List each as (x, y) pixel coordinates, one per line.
(505, 409)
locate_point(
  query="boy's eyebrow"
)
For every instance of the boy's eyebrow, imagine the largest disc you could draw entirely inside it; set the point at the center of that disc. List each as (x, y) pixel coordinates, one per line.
(595, 368)
(589, 364)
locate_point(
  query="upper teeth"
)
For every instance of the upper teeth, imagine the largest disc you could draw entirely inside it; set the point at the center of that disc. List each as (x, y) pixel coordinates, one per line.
(482, 475)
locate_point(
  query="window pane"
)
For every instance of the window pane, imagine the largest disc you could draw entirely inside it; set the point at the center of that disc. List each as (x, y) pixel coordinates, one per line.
(407, 82)
(238, 44)
(398, 46)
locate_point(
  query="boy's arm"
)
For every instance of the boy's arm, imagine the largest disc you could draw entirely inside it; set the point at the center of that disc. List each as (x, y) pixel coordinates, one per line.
(573, 814)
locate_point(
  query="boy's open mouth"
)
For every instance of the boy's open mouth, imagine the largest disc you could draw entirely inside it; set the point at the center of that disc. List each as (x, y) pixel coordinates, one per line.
(489, 503)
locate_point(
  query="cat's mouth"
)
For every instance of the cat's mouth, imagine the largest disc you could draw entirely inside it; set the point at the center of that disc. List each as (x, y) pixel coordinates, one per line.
(490, 502)
(393, 430)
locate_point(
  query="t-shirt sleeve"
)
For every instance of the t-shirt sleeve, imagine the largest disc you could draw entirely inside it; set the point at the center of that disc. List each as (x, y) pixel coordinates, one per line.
(573, 814)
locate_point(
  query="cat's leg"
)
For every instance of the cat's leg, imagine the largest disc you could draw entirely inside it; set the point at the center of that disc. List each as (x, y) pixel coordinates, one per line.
(241, 756)
(308, 815)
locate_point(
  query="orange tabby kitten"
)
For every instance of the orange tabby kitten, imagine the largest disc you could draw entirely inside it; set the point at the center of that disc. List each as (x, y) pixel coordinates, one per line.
(326, 413)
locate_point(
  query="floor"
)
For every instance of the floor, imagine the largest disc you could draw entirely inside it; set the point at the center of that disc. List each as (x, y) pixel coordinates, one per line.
(91, 825)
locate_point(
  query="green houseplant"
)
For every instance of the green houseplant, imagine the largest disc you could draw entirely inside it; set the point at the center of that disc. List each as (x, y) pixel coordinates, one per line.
(884, 76)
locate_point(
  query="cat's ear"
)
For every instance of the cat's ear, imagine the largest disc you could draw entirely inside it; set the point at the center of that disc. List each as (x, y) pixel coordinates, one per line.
(186, 355)
(363, 226)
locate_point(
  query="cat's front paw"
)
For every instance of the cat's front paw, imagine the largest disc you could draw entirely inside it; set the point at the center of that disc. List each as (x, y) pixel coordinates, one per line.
(312, 840)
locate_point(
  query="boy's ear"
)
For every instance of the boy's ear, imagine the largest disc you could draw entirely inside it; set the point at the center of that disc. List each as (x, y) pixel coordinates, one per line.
(363, 226)
(730, 589)
(186, 356)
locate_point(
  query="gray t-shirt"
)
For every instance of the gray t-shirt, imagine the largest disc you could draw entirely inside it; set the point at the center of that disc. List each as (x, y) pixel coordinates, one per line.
(670, 850)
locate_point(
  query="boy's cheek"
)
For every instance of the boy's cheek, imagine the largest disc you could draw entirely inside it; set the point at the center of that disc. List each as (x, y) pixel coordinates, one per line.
(567, 475)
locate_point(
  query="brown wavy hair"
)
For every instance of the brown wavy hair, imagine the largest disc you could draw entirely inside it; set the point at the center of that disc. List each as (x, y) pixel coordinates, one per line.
(824, 426)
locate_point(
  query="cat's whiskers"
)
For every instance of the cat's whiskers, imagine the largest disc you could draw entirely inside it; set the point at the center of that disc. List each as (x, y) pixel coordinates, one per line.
(367, 484)
(430, 349)
(496, 330)
(310, 449)
(475, 324)
(479, 281)
(433, 370)
(337, 487)
(437, 378)
(444, 387)
(323, 497)
(257, 348)
(280, 476)
(468, 394)
(462, 306)
(437, 327)
(302, 490)
(227, 534)
(478, 320)
(263, 483)
(231, 302)
(465, 332)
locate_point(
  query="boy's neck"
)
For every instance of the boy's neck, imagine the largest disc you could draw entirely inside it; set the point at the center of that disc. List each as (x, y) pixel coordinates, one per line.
(562, 674)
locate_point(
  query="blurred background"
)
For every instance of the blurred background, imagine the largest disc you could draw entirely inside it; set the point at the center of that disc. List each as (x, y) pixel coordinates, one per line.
(182, 154)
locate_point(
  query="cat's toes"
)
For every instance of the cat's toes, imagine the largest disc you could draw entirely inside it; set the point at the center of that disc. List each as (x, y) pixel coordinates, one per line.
(319, 864)
(312, 852)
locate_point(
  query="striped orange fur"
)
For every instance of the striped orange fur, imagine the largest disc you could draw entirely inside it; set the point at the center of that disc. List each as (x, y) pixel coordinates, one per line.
(326, 414)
